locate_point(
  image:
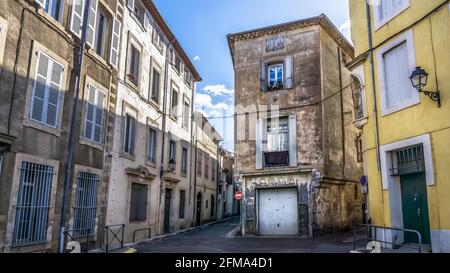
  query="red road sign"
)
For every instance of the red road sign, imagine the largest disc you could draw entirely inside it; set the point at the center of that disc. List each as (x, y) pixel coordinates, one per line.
(238, 195)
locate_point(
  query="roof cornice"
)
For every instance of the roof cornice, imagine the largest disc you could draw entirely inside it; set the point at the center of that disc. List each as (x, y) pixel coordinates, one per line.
(321, 20)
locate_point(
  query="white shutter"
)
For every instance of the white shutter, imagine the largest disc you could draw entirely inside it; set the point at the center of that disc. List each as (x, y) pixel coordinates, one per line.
(130, 4)
(98, 116)
(259, 143)
(76, 18)
(92, 21)
(398, 87)
(293, 140)
(90, 113)
(147, 21)
(115, 41)
(289, 67)
(389, 7)
(263, 76)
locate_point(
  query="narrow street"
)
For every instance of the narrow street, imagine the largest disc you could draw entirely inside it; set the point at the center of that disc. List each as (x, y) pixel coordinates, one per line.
(213, 239)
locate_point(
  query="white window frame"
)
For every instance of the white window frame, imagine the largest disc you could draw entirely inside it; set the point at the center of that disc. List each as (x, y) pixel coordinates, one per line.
(51, 223)
(415, 99)
(280, 64)
(46, 102)
(97, 90)
(379, 22)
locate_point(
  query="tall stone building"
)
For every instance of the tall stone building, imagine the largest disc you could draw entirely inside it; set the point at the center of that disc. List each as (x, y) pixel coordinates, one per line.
(227, 205)
(39, 43)
(295, 144)
(150, 178)
(205, 167)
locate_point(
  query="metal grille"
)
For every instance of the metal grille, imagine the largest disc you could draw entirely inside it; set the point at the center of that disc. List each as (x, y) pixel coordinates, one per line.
(408, 161)
(33, 204)
(85, 204)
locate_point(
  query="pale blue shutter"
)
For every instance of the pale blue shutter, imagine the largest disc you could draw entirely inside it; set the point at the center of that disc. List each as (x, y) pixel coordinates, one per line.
(259, 143)
(90, 113)
(130, 4)
(92, 21)
(40, 86)
(293, 140)
(99, 116)
(263, 76)
(54, 88)
(289, 72)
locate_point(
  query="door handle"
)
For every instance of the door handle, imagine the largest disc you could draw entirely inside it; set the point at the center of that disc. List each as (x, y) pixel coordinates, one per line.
(418, 211)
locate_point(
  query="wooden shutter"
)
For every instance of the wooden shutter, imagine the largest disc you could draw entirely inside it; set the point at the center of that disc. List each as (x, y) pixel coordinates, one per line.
(92, 21)
(259, 143)
(115, 40)
(293, 140)
(76, 18)
(263, 76)
(289, 72)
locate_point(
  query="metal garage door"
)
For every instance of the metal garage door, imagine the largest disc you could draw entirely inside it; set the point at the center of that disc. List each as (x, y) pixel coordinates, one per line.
(277, 211)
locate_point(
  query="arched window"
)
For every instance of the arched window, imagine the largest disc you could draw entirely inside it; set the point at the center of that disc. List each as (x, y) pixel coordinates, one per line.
(357, 92)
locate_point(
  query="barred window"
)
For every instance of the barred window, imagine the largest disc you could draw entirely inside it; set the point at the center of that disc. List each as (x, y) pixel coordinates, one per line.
(33, 204)
(85, 204)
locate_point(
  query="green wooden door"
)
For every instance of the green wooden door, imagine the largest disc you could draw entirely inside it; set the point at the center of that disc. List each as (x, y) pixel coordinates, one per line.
(415, 206)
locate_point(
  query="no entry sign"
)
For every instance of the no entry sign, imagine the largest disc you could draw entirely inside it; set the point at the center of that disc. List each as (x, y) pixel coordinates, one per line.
(238, 195)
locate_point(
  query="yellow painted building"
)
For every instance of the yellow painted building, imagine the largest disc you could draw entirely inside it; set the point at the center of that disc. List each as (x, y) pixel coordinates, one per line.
(406, 135)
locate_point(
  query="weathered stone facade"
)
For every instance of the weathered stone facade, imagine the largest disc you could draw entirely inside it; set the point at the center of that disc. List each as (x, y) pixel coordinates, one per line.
(205, 166)
(316, 101)
(34, 33)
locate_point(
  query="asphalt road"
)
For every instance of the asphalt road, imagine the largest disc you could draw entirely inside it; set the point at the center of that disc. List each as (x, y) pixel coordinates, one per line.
(213, 239)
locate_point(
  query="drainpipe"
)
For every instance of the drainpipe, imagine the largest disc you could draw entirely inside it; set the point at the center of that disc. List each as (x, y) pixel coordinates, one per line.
(73, 123)
(375, 108)
(16, 65)
(164, 121)
(342, 112)
(191, 151)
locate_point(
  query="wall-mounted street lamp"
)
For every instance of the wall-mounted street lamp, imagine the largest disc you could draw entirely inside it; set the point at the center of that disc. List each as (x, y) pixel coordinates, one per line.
(172, 165)
(171, 169)
(419, 78)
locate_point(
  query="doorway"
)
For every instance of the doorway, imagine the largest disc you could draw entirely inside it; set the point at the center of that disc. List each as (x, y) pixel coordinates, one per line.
(199, 209)
(415, 207)
(167, 209)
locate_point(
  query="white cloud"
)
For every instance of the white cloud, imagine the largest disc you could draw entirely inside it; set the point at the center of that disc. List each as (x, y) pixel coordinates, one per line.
(218, 90)
(220, 110)
(345, 29)
(197, 58)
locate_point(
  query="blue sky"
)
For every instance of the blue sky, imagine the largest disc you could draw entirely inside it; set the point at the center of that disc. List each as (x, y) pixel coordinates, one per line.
(201, 27)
